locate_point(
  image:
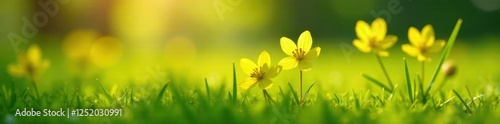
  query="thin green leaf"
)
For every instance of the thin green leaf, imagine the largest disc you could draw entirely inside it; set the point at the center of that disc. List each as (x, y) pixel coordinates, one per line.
(356, 99)
(470, 95)
(294, 94)
(307, 92)
(447, 50)
(463, 102)
(377, 82)
(235, 85)
(207, 88)
(408, 81)
(131, 96)
(162, 91)
(109, 97)
(13, 97)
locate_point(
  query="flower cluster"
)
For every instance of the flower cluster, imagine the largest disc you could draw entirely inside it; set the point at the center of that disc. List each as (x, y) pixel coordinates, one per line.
(373, 38)
(299, 55)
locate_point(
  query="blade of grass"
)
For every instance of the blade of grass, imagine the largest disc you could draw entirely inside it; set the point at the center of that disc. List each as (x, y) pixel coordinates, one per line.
(282, 93)
(408, 81)
(162, 91)
(230, 96)
(380, 100)
(463, 102)
(13, 97)
(470, 95)
(294, 94)
(475, 98)
(131, 96)
(307, 92)
(447, 50)
(207, 88)
(445, 102)
(124, 95)
(377, 82)
(356, 99)
(72, 98)
(235, 86)
(109, 97)
(336, 97)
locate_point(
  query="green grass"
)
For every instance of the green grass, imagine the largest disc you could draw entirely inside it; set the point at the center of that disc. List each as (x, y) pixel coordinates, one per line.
(180, 105)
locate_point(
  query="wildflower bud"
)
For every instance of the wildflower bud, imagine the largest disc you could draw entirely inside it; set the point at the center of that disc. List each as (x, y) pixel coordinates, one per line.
(449, 68)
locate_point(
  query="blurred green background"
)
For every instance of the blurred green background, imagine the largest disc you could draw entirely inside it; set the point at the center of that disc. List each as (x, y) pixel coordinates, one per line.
(202, 38)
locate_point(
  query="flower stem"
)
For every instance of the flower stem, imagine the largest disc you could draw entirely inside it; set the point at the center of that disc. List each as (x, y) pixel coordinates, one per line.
(34, 85)
(441, 85)
(300, 78)
(423, 71)
(385, 71)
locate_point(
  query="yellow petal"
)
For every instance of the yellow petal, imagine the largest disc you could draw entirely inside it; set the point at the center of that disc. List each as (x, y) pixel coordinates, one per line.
(264, 58)
(313, 54)
(305, 41)
(305, 65)
(428, 35)
(363, 30)
(265, 83)
(389, 41)
(248, 83)
(16, 70)
(288, 46)
(273, 72)
(383, 53)
(438, 46)
(34, 54)
(288, 63)
(264, 68)
(247, 66)
(410, 50)
(414, 36)
(379, 29)
(363, 47)
(422, 58)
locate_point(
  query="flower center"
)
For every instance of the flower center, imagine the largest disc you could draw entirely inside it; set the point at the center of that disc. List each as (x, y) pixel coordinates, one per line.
(373, 43)
(30, 67)
(299, 53)
(257, 73)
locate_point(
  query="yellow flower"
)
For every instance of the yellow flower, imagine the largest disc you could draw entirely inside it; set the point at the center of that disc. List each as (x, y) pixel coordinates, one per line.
(259, 74)
(373, 38)
(299, 55)
(422, 43)
(29, 63)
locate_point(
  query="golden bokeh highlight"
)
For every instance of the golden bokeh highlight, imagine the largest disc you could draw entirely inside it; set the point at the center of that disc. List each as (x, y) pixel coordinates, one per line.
(106, 51)
(76, 45)
(180, 52)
